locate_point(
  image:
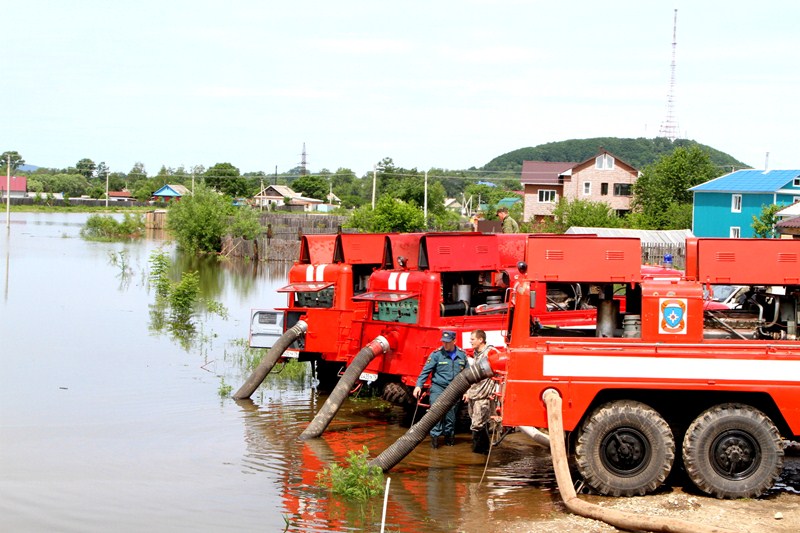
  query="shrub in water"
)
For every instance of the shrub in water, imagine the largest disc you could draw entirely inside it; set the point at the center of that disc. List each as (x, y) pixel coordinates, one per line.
(356, 481)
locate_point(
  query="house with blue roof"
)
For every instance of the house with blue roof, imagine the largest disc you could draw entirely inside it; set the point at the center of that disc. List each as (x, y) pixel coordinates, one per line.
(725, 206)
(170, 193)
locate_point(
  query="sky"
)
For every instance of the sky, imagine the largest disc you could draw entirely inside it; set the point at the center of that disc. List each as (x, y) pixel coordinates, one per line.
(430, 84)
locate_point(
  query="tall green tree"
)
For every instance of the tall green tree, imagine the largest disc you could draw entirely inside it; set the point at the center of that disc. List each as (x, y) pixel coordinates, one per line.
(137, 172)
(349, 188)
(225, 178)
(764, 224)
(664, 186)
(86, 168)
(15, 159)
(312, 186)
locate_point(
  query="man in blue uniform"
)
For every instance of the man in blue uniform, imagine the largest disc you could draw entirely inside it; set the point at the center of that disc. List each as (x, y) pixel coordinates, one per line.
(442, 366)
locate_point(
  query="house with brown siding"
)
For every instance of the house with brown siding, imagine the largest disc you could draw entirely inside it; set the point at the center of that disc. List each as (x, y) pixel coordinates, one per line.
(602, 178)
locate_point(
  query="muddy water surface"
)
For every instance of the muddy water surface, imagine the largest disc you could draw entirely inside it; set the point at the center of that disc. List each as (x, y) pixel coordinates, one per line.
(107, 423)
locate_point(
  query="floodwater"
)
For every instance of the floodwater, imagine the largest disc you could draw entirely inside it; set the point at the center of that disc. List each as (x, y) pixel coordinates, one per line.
(110, 422)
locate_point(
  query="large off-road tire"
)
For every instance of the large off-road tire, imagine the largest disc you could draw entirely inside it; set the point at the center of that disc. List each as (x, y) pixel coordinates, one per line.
(624, 448)
(398, 394)
(733, 451)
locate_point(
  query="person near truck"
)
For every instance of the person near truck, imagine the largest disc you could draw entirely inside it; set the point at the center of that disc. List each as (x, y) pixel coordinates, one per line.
(509, 224)
(481, 402)
(442, 366)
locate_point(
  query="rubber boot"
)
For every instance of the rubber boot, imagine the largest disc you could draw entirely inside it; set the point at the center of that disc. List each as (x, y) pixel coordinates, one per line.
(434, 442)
(450, 440)
(480, 441)
(476, 441)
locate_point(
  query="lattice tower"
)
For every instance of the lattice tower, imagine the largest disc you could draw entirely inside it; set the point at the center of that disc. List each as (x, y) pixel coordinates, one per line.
(669, 128)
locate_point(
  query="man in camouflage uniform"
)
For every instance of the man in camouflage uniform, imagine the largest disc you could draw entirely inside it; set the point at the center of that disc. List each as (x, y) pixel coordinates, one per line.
(480, 397)
(509, 224)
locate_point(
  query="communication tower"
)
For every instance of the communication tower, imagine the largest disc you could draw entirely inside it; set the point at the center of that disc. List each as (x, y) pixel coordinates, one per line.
(303, 168)
(669, 128)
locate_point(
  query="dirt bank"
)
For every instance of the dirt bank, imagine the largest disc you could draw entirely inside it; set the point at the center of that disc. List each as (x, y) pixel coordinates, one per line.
(779, 511)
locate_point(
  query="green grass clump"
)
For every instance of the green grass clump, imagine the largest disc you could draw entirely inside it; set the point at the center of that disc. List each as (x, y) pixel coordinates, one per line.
(224, 388)
(107, 228)
(356, 481)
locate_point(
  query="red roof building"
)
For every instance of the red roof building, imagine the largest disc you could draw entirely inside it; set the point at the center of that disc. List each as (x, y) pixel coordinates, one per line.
(18, 186)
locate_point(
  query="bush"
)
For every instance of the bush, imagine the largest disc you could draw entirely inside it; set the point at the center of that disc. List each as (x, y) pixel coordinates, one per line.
(104, 227)
(356, 481)
(199, 221)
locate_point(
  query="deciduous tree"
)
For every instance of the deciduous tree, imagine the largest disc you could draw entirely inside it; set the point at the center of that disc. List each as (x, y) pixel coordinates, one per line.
(764, 224)
(389, 215)
(225, 178)
(14, 157)
(667, 182)
(311, 186)
(583, 213)
(86, 168)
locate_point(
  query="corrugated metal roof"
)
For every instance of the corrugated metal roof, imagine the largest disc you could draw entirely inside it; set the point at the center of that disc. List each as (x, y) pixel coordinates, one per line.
(544, 172)
(792, 222)
(671, 236)
(749, 181)
(508, 202)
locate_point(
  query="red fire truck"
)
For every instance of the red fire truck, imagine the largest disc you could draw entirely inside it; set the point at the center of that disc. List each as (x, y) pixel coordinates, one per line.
(661, 383)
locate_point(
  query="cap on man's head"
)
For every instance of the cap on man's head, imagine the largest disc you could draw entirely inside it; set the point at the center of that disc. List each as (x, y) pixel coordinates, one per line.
(448, 336)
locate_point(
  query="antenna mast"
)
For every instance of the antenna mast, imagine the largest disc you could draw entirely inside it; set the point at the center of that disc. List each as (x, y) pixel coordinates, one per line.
(669, 128)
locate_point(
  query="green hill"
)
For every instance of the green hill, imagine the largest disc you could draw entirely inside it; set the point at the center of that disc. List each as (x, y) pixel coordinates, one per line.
(638, 152)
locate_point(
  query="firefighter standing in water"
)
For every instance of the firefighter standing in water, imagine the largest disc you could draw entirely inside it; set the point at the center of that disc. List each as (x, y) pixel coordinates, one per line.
(442, 366)
(481, 403)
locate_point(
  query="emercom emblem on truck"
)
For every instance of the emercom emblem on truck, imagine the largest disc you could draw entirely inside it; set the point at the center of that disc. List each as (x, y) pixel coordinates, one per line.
(673, 316)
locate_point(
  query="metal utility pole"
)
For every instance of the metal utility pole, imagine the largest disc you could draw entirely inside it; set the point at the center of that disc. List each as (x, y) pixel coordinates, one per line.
(425, 201)
(669, 128)
(8, 192)
(374, 181)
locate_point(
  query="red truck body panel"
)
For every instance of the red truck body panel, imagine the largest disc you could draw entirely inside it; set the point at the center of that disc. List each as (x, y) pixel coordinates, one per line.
(678, 348)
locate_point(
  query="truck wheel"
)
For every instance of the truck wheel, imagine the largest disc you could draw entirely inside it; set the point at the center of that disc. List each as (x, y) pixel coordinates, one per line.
(733, 451)
(625, 448)
(398, 394)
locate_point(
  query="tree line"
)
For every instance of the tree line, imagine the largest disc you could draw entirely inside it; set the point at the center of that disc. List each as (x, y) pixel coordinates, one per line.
(661, 199)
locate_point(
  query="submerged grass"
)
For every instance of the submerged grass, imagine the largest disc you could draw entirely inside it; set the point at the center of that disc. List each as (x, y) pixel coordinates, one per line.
(247, 359)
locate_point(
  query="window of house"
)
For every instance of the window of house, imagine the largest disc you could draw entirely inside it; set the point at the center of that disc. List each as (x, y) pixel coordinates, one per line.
(795, 199)
(604, 162)
(604, 189)
(547, 196)
(736, 203)
(796, 182)
(587, 188)
(735, 232)
(622, 189)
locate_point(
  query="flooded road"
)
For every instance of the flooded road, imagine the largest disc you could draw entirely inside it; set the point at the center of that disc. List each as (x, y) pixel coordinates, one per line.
(108, 422)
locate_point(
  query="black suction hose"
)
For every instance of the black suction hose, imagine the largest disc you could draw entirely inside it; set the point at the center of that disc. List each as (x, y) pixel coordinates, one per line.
(269, 360)
(416, 433)
(344, 386)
